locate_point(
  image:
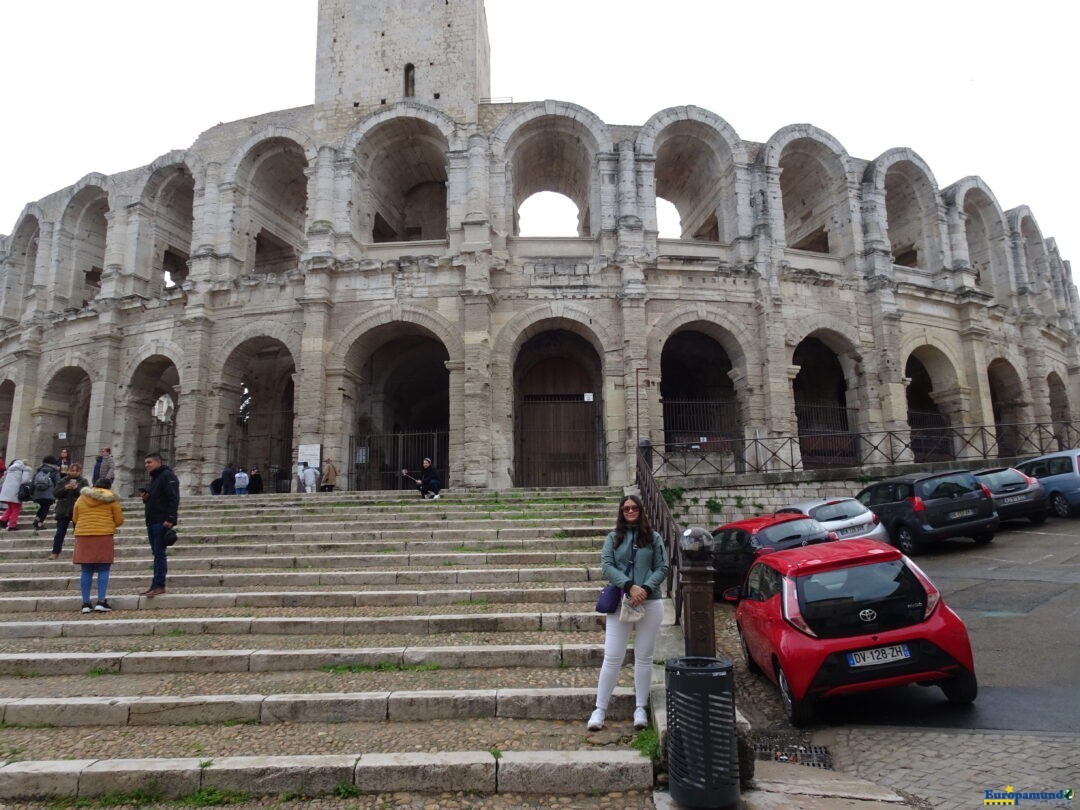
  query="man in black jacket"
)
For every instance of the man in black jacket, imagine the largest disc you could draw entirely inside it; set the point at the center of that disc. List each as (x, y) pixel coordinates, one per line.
(161, 499)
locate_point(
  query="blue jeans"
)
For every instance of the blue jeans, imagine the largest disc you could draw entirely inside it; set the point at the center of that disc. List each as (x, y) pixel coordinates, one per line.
(155, 532)
(241, 490)
(87, 575)
(61, 530)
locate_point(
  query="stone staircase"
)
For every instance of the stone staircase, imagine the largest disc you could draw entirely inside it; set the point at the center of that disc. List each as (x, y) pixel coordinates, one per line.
(319, 645)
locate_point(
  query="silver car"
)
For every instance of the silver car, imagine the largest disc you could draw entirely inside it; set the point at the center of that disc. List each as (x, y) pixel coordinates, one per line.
(845, 516)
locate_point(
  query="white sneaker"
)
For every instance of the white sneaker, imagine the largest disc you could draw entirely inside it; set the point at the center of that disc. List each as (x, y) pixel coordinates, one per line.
(435, 497)
(641, 718)
(596, 720)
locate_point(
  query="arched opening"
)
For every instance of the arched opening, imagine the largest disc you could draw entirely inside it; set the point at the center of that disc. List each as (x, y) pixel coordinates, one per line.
(174, 222)
(1006, 401)
(410, 80)
(696, 172)
(930, 425)
(153, 398)
(258, 407)
(400, 193)
(276, 206)
(552, 153)
(83, 230)
(559, 410)
(400, 406)
(19, 267)
(62, 415)
(701, 407)
(1038, 266)
(548, 214)
(813, 188)
(1060, 415)
(906, 203)
(7, 406)
(824, 419)
(985, 232)
(668, 221)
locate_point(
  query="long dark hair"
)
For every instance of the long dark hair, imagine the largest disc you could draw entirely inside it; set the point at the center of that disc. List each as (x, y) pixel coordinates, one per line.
(644, 530)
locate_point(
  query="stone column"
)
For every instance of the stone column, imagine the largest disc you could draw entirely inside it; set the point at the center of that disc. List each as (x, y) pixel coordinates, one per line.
(196, 461)
(631, 234)
(310, 392)
(101, 424)
(470, 379)
(21, 432)
(321, 211)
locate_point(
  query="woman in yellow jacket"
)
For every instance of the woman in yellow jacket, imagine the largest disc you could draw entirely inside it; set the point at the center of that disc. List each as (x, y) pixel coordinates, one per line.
(97, 514)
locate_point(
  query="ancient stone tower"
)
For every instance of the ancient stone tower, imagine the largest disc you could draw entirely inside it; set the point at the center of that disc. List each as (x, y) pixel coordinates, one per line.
(349, 280)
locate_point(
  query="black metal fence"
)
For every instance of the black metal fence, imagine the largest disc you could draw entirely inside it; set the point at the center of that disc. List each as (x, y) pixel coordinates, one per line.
(156, 437)
(825, 437)
(712, 425)
(787, 453)
(377, 459)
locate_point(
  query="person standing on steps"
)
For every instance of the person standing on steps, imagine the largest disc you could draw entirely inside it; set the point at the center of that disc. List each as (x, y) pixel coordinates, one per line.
(97, 515)
(228, 479)
(641, 587)
(18, 472)
(161, 500)
(66, 493)
(428, 483)
(46, 477)
(309, 476)
(329, 476)
(105, 466)
(242, 480)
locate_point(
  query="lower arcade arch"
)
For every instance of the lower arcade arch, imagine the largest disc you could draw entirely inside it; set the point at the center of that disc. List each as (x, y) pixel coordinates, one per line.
(1064, 430)
(1007, 403)
(62, 416)
(824, 419)
(927, 415)
(149, 411)
(257, 410)
(558, 412)
(398, 412)
(701, 407)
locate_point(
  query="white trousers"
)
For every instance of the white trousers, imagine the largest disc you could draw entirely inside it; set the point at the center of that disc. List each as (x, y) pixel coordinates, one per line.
(616, 639)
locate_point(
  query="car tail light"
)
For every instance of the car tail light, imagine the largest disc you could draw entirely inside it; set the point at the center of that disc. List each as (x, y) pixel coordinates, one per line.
(986, 491)
(792, 614)
(933, 595)
(877, 520)
(832, 536)
(917, 504)
(1031, 481)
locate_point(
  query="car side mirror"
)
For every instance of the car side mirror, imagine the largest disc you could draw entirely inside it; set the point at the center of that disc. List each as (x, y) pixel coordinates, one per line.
(732, 594)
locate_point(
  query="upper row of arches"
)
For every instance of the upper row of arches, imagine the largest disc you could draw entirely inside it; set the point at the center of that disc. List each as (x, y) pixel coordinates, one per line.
(411, 173)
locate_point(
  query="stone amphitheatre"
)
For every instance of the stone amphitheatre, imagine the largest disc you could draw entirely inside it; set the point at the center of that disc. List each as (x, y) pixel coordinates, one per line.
(349, 276)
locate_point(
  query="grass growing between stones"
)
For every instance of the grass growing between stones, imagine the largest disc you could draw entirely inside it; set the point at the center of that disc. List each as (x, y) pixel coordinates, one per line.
(647, 743)
(385, 666)
(204, 797)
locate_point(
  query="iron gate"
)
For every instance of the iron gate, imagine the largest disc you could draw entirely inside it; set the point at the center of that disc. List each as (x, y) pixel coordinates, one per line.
(560, 442)
(377, 459)
(264, 440)
(156, 437)
(825, 437)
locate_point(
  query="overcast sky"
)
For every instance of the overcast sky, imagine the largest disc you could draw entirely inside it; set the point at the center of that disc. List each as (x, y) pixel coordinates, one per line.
(986, 88)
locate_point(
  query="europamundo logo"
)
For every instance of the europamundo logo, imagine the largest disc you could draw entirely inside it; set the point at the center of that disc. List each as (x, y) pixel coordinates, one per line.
(1011, 797)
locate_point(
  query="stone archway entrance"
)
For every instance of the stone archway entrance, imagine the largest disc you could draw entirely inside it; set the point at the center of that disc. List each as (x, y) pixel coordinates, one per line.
(1007, 402)
(62, 416)
(824, 419)
(701, 407)
(558, 413)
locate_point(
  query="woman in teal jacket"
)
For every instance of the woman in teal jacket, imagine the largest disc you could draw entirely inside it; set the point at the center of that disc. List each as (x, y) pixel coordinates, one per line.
(642, 588)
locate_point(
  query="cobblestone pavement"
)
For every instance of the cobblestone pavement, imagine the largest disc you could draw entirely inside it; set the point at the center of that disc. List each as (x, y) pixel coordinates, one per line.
(937, 768)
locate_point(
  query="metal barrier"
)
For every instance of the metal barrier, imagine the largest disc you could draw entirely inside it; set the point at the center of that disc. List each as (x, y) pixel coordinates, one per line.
(872, 448)
(656, 509)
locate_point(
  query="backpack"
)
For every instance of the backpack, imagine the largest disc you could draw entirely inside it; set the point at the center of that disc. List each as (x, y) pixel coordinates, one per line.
(26, 492)
(43, 481)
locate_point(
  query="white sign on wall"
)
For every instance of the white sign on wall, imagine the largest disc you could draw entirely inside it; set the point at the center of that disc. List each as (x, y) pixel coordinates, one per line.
(311, 453)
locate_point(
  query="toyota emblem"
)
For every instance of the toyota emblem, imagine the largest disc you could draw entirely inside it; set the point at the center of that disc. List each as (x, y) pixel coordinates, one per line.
(868, 615)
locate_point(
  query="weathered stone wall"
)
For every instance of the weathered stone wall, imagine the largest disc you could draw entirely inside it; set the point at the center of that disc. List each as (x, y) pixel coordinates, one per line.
(286, 263)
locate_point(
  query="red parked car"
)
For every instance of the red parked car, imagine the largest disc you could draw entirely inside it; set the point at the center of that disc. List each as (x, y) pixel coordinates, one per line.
(736, 545)
(845, 617)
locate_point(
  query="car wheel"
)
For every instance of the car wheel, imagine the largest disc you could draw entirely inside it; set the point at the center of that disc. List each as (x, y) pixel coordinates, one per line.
(1038, 519)
(1059, 505)
(983, 539)
(799, 712)
(905, 541)
(751, 665)
(962, 688)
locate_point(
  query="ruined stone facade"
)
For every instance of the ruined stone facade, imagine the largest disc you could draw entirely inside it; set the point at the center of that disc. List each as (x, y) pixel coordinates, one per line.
(350, 271)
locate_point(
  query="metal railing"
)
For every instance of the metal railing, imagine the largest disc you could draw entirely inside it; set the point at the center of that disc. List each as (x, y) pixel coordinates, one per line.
(656, 509)
(872, 448)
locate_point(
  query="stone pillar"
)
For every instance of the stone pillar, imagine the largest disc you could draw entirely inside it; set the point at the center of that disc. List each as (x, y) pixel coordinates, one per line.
(310, 391)
(470, 380)
(21, 431)
(477, 222)
(321, 208)
(631, 234)
(101, 424)
(195, 459)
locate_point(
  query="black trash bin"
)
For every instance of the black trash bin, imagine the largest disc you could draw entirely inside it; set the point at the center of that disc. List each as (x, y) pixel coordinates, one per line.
(702, 747)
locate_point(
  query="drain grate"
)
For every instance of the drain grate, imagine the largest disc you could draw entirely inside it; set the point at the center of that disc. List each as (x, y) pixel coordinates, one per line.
(812, 756)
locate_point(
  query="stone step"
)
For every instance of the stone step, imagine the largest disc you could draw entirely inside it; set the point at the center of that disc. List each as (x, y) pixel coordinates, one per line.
(476, 772)
(285, 580)
(325, 707)
(307, 599)
(477, 656)
(270, 561)
(91, 626)
(136, 547)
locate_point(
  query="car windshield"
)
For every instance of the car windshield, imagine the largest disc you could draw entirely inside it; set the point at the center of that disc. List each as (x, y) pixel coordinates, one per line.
(947, 486)
(1002, 478)
(838, 510)
(788, 530)
(861, 599)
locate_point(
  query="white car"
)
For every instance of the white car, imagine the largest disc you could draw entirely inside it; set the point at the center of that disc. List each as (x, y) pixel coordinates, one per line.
(844, 516)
